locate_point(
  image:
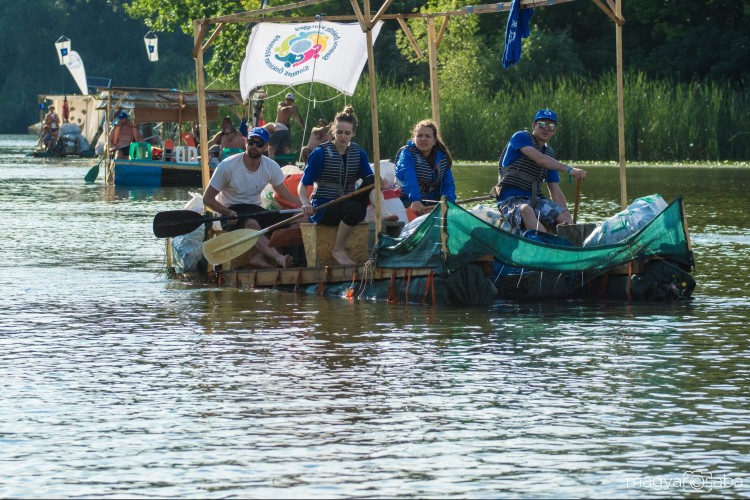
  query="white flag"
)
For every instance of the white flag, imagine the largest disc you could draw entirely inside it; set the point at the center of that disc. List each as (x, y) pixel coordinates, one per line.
(75, 66)
(290, 54)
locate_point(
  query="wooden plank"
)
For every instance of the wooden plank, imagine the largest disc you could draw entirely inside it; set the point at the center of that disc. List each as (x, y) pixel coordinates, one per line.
(246, 17)
(213, 36)
(443, 26)
(381, 12)
(410, 37)
(240, 16)
(199, 31)
(610, 12)
(305, 276)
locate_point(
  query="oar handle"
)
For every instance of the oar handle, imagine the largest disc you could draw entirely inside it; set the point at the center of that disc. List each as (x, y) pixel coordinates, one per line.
(239, 216)
(255, 234)
(315, 209)
(578, 200)
(467, 200)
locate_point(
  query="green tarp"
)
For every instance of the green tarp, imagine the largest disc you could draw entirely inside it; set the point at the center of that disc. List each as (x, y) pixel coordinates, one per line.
(469, 237)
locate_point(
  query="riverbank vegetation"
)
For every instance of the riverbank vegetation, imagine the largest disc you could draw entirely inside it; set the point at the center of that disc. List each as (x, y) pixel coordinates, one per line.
(665, 120)
(686, 85)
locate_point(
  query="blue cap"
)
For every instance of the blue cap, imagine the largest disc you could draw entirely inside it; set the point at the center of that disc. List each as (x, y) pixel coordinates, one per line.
(545, 114)
(258, 132)
(122, 115)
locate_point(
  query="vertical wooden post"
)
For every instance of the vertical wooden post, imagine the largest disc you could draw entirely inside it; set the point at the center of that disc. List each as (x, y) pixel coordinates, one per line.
(621, 108)
(374, 114)
(434, 78)
(444, 226)
(200, 83)
(108, 166)
(179, 118)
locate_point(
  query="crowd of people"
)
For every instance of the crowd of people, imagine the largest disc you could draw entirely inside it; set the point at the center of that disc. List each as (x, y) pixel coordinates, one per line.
(336, 166)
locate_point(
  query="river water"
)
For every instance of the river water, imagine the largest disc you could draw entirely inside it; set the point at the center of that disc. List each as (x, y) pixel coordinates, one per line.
(118, 382)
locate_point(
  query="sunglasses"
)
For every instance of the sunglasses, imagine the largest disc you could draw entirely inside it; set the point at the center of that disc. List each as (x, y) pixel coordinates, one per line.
(546, 126)
(256, 143)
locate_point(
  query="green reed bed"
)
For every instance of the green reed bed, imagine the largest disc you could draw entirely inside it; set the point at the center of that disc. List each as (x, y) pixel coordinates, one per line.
(664, 121)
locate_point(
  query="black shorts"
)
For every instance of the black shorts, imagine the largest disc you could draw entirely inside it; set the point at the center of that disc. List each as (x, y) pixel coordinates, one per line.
(262, 216)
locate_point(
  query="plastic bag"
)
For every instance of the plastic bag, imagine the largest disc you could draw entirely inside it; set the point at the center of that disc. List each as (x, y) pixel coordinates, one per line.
(388, 174)
(195, 204)
(488, 215)
(627, 222)
(187, 251)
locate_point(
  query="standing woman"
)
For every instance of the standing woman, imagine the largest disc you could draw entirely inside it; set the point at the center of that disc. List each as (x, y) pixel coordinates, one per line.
(333, 168)
(424, 168)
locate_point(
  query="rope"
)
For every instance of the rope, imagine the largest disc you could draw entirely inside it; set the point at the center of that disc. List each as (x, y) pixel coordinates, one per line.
(319, 18)
(368, 276)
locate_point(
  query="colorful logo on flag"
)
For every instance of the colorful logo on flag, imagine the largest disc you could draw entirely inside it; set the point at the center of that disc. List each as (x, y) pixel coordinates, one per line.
(300, 48)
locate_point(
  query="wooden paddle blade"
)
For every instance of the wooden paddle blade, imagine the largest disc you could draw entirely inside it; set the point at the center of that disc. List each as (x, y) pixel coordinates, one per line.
(226, 247)
(176, 222)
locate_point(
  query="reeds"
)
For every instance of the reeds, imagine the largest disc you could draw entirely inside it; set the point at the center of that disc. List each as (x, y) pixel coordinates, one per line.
(664, 120)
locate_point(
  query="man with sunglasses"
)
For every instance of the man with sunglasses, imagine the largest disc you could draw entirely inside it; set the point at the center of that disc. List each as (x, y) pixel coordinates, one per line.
(525, 163)
(235, 191)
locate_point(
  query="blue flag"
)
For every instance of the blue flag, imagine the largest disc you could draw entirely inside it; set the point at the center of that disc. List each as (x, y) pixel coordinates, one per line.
(517, 28)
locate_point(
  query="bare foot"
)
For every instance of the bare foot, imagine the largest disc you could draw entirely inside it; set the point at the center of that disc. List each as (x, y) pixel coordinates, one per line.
(341, 258)
(257, 261)
(285, 260)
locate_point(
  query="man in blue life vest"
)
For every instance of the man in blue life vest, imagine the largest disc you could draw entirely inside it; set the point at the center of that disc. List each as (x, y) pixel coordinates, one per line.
(527, 161)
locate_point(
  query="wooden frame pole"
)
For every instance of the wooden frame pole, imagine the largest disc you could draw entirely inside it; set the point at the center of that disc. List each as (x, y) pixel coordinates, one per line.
(374, 115)
(200, 84)
(434, 77)
(621, 109)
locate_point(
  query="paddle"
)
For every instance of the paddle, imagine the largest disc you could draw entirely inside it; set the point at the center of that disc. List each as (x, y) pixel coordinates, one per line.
(176, 222)
(93, 173)
(467, 200)
(231, 245)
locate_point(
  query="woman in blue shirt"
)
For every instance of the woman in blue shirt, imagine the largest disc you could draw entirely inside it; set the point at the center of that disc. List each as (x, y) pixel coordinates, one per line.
(334, 167)
(424, 168)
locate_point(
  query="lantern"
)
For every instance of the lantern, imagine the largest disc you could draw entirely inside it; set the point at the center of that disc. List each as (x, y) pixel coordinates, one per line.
(152, 43)
(62, 46)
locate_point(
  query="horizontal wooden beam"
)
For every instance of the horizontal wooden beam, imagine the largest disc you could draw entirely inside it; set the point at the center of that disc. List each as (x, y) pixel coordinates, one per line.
(240, 16)
(254, 17)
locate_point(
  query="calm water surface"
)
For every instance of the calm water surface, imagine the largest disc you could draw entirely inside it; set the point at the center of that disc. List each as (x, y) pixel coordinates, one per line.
(118, 382)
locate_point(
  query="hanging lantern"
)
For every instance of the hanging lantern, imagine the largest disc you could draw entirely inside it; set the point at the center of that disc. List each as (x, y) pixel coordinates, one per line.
(62, 45)
(152, 43)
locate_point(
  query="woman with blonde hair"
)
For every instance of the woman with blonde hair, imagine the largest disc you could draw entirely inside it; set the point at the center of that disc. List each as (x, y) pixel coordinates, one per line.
(423, 167)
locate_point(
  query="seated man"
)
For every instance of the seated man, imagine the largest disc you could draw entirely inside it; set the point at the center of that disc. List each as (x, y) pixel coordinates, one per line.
(281, 139)
(527, 161)
(228, 137)
(235, 191)
(45, 141)
(122, 135)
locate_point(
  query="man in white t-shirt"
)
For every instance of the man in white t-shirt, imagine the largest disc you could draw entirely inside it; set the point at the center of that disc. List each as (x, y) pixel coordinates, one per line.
(235, 189)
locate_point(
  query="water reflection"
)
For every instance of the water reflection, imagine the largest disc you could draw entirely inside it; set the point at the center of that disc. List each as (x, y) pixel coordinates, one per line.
(117, 381)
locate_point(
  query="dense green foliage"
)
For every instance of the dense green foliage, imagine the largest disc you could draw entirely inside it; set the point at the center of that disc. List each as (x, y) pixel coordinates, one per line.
(665, 120)
(686, 96)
